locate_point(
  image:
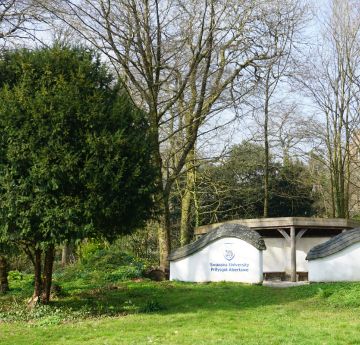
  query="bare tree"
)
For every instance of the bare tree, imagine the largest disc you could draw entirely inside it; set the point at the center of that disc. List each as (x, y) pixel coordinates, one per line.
(332, 85)
(180, 61)
(224, 87)
(17, 20)
(285, 34)
(291, 133)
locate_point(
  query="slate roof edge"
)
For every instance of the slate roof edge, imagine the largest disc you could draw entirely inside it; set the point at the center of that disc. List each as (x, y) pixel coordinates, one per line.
(226, 230)
(334, 245)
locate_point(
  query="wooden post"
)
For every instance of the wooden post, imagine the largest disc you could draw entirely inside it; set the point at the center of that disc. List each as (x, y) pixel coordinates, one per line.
(293, 253)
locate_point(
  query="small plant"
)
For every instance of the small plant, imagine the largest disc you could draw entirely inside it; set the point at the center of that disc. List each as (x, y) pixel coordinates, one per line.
(43, 314)
(152, 306)
(15, 275)
(129, 306)
(324, 293)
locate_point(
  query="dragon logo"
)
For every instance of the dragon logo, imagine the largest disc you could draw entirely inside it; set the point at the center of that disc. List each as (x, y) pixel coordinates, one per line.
(229, 254)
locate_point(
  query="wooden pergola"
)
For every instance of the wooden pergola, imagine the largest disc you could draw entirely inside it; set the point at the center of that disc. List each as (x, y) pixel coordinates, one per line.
(291, 228)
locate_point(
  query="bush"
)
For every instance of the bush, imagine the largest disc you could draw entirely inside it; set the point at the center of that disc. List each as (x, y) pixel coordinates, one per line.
(88, 249)
(124, 273)
(21, 281)
(15, 275)
(101, 265)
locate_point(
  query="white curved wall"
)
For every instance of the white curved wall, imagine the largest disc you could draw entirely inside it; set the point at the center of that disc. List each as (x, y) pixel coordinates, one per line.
(277, 256)
(341, 266)
(211, 264)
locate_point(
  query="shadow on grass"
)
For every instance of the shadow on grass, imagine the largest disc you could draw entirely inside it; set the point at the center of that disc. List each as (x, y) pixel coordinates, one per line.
(81, 300)
(175, 297)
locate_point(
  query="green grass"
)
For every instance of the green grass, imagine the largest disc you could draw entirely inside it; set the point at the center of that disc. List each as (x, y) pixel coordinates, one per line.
(146, 312)
(102, 301)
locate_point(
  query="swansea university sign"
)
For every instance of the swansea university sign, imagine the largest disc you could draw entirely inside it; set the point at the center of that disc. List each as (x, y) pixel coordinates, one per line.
(230, 252)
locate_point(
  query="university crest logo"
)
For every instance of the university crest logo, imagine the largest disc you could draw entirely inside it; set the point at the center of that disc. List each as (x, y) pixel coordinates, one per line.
(229, 254)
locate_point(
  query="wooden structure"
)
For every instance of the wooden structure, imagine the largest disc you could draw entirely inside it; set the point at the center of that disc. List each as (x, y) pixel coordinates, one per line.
(292, 229)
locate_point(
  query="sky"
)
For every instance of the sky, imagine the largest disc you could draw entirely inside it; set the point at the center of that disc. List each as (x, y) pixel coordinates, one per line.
(245, 128)
(215, 143)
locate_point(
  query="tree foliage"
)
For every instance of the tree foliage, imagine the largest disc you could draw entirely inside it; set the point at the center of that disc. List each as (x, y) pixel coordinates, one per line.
(75, 154)
(234, 188)
(182, 62)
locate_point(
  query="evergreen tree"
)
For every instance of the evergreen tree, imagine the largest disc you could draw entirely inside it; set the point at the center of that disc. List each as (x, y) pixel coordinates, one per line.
(75, 155)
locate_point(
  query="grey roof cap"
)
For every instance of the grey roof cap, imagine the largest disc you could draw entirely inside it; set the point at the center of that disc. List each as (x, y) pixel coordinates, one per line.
(335, 244)
(226, 230)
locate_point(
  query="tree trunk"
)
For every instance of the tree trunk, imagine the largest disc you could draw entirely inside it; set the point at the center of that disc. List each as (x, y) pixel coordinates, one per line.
(67, 253)
(185, 224)
(187, 202)
(48, 269)
(164, 234)
(4, 284)
(37, 276)
(348, 179)
(162, 199)
(266, 148)
(332, 195)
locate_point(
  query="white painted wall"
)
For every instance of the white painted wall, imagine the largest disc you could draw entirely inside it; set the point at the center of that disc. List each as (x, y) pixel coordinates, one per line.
(341, 266)
(210, 264)
(277, 254)
(274, 255)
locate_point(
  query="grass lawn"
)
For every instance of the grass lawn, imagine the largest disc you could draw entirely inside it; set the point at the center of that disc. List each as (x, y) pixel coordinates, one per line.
(144, 312)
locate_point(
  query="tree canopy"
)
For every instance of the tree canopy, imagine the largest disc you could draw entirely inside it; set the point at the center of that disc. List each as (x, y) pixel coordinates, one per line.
(75, 154)
(233, 189)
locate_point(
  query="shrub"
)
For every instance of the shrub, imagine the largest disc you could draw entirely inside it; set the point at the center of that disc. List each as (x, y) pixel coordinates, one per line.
(102, 265)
